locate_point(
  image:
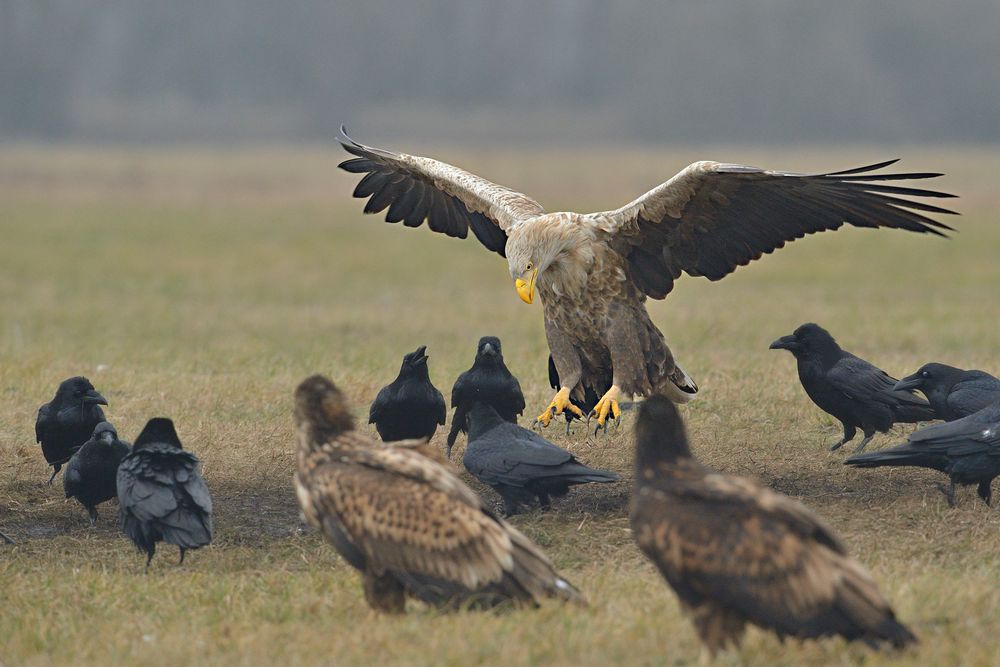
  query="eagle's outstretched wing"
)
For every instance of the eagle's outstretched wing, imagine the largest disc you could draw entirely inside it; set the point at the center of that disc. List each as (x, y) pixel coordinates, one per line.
(450, 199)
(711, 217)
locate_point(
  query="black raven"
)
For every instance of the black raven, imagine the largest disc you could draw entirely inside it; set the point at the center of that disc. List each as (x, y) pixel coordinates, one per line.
(519, 464)
(487, 381)
(409, 407)
(92, 472)
(736, 552)
(857, 393)
(68, 420)
(162, 495)
(952, 392)
(966, 449)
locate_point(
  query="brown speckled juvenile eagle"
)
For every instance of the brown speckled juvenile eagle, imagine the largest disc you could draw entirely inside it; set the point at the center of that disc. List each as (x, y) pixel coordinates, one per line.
(736, 552)
(594, 271)
(411, 527)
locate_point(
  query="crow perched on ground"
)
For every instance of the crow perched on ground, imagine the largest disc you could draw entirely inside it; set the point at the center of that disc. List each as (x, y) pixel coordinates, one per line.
(410, 407)
(857, 393)
(488, 381)
(952, 392)
(405, 521)
(162, 495)
(92, 472)
(68, 420)
(966, 449)
(736, 552)
(519, 464)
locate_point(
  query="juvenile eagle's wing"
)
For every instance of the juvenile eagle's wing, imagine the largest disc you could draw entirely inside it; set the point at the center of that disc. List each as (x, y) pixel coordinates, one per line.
(450, 199)
(712, 217)
(396, 511)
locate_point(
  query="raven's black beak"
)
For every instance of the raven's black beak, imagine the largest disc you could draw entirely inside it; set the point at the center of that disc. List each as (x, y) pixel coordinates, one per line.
(418, 356)
(94, 398)
(909, 383)
(488, 350)
(784, 343)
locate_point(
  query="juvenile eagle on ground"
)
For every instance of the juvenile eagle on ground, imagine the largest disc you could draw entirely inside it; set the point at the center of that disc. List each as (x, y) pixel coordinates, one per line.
(736, 552)
(401, 518)
(594, 271)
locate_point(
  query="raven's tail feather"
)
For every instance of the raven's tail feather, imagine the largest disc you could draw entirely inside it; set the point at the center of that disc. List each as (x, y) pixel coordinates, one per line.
(903, 455)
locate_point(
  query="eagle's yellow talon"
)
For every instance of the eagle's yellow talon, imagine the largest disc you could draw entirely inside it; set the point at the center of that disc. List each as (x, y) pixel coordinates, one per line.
(560, 402)
(608, 405)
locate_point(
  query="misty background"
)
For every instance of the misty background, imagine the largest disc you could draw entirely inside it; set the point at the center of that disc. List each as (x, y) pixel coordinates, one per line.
(259, 71)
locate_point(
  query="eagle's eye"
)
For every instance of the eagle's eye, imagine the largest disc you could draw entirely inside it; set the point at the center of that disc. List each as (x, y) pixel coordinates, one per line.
(528, 267)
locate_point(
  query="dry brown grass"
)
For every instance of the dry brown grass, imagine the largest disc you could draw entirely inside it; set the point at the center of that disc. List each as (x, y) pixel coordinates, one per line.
(205, 286)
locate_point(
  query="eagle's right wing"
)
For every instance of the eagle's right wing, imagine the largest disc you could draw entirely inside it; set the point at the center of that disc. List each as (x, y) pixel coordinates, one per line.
(450, 199)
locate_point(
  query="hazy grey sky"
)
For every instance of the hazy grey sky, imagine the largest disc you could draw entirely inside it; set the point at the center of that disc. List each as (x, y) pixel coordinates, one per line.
(539, 70)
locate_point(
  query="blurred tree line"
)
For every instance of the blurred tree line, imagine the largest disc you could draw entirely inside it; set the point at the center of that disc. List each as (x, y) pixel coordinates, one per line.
(561, 70)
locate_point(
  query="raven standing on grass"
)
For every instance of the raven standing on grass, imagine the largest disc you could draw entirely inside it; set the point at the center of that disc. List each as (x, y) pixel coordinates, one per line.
(409, 407)
(736, 552)
(967, 450)
(952, 392)
(162, 495)
(521, 465)
(488, 381)
(68, 420)
(91, 474)
(854, 391)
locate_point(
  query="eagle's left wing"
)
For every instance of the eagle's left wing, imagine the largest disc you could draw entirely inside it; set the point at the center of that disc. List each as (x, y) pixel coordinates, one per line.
(712, 217)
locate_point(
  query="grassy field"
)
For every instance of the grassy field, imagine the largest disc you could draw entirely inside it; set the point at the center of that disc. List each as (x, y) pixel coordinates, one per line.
(203, 286)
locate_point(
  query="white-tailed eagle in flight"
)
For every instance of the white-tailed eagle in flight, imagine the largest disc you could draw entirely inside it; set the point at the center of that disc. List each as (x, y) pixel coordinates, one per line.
(594, 271)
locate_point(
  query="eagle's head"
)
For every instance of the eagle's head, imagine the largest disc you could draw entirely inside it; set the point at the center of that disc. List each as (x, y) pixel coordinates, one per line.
(535, 246)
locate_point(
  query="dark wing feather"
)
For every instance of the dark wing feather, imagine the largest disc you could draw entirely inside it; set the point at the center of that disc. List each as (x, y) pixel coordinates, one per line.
(975, 391)
(450, 199)
(461, 389)
(384, 397)
(859, 379)
(712, 218)
(979, 432)
(73, 478)
(160, 487)
(42, 422)
(504, 455)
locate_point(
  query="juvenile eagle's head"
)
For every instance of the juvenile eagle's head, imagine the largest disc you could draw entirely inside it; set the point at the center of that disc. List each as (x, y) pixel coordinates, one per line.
(533, 247)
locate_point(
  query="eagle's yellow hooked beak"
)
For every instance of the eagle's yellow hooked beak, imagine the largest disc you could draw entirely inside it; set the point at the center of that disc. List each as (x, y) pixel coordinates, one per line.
(526, 289)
